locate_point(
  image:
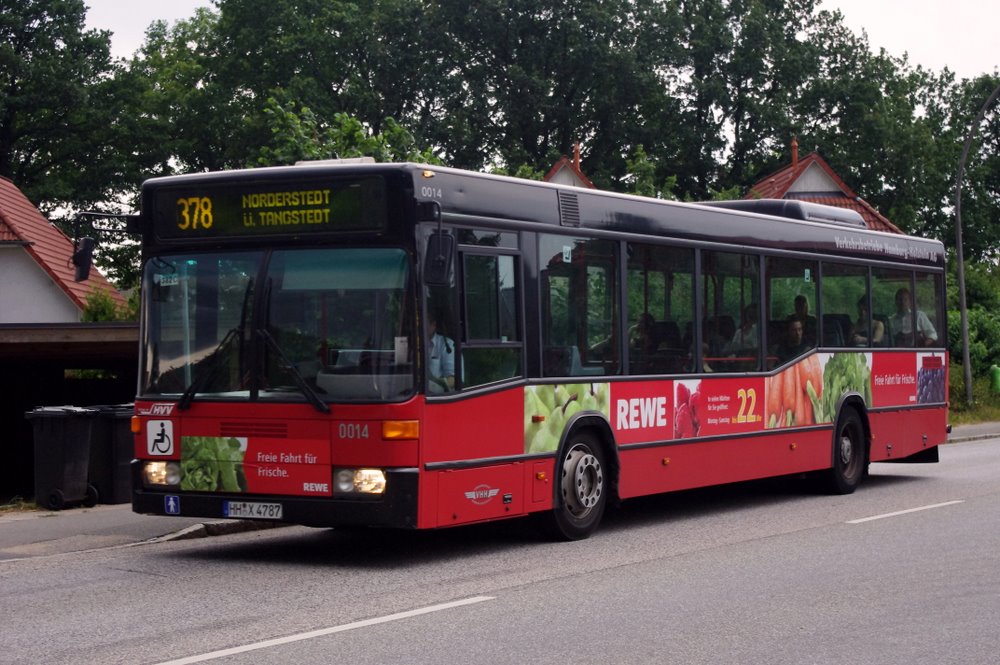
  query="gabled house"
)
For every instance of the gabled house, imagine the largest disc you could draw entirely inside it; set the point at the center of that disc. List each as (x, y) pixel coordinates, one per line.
(812, 179)
(567, 172)
(36, 269)
(43, 345)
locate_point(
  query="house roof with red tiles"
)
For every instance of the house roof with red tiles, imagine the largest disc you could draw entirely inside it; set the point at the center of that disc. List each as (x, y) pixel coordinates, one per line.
(21, 223)
(567, 171)
(812, 179)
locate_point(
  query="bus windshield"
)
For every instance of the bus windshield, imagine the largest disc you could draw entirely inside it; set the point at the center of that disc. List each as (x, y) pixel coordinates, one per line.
(298, 324)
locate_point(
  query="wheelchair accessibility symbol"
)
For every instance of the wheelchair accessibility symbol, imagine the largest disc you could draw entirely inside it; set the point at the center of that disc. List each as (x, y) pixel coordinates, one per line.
(160, 437)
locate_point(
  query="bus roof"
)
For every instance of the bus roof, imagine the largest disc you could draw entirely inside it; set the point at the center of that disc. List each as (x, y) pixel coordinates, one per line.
(476, 198)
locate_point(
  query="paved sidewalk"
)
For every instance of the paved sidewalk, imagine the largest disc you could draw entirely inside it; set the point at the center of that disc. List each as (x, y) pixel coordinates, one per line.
(961, 433)
(40, 532)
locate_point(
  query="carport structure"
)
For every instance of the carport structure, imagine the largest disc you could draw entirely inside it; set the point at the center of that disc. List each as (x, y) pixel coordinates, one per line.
(46, 364)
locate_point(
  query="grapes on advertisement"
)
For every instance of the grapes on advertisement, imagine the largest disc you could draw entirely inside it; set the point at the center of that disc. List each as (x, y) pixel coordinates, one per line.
(930, 385)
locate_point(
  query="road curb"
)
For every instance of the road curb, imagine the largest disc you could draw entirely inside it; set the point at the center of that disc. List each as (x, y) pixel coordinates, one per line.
(220, 528)
(972, 437)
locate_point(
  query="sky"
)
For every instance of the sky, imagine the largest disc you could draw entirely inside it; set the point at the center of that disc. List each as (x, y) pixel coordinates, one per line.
(958, 34)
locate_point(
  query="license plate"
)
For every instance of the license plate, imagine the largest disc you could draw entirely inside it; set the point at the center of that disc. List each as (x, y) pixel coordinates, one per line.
(252, 509)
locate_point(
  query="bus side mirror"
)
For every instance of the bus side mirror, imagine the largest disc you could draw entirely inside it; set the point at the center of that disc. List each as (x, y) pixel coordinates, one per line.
(438, 259)
(82, 258)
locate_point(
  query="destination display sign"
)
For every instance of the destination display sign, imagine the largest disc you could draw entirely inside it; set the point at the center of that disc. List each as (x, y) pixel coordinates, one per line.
(264, 208)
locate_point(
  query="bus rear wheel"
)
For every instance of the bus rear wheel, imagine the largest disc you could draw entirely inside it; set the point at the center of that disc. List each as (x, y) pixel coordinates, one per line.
(850, 456)
(583, 488)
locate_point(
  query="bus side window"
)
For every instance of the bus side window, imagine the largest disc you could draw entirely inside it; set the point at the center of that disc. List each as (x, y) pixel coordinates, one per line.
(580, 309)
(492, 350)
(660, 291)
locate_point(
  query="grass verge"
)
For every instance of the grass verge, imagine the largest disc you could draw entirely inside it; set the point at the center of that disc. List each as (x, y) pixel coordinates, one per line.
(17, 504)
(985, 405)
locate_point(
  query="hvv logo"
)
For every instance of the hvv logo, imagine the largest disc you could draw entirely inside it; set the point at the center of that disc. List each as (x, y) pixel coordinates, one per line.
(162, 410)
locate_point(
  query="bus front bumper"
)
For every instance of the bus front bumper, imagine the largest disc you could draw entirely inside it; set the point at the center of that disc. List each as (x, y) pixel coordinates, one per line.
(397, 508)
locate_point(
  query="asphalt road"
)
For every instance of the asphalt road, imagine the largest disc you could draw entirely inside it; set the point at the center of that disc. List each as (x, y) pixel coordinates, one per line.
(903, 571)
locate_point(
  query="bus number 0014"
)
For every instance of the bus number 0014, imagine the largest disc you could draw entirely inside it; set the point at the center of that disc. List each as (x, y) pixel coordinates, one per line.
(431, 192)
(353, 430)
(194, 212)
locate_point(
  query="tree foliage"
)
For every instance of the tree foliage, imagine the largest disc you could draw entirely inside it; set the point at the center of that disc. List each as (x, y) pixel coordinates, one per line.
(686, 99)
(301, 135)
(57, 102)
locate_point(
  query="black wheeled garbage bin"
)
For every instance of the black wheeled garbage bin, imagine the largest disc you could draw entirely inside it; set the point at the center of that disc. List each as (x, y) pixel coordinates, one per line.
(62, 456)
(111, 452)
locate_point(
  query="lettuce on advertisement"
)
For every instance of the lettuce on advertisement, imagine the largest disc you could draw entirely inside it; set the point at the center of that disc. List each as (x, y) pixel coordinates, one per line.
(212, 464)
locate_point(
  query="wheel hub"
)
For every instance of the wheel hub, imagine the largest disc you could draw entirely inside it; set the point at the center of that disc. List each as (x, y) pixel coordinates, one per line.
(582, 481)
(846, 450)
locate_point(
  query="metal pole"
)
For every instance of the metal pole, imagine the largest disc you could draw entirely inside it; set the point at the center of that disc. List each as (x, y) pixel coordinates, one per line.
(958, 244)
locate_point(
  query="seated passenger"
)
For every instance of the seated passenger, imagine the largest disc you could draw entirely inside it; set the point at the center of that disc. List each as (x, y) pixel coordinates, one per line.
(642, 336)
(902, 323)
(859, 333)
(794, 343)
(808, 321)
(746, 338)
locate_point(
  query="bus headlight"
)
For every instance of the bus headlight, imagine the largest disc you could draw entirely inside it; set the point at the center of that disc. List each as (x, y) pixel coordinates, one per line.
(359, 481)
(165, 474)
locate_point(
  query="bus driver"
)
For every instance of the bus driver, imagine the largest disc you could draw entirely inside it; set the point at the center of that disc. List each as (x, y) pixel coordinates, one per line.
(440, 359)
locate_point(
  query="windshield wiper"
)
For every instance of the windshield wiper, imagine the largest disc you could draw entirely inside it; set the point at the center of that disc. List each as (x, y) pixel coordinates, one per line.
(209, 369)
(212, 360)
(300, 380)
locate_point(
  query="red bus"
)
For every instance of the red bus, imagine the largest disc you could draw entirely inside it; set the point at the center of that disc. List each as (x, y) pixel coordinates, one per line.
(419, 347)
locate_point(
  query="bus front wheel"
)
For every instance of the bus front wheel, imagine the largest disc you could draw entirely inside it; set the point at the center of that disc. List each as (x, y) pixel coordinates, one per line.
(849, 454)
(583, 488)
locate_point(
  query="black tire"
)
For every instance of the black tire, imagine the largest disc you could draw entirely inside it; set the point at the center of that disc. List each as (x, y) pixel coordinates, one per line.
(850, 454)
(92, 496)
(582, 493)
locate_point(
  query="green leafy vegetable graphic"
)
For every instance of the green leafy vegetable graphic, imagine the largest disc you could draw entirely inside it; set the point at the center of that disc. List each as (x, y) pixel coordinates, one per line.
(211, 464)
(844, 372)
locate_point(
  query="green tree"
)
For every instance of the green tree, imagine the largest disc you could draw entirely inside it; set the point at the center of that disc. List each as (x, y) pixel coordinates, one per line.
(300, 135)
(981, 181)
(523, 81)
(181, 118)
(56, 103)
(100, 306)
(642, 172)
(770, 62)
(867, 113)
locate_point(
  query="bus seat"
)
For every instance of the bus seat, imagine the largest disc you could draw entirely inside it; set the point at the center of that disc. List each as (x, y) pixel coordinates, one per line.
(727, 326)
(576, 366)
(668, 334)
(887, 333)
(776, 331)
(833, 335)
(717, 331)
(846, 325)
(556, 360)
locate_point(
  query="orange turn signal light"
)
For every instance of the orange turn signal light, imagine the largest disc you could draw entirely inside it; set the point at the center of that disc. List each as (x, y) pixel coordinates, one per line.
(397, 430)
(136, 425)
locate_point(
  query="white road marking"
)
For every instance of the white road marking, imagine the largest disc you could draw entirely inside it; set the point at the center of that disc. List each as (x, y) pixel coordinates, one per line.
(326, 631)
(903, 512)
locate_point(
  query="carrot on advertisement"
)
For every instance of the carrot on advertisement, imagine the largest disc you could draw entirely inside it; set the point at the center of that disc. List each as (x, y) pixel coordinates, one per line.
(773, 399)
(801, 396)
(788, 396)
(800, 412)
